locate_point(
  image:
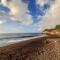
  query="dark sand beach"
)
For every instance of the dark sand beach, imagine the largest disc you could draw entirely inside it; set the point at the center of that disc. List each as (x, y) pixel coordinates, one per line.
(35, 49)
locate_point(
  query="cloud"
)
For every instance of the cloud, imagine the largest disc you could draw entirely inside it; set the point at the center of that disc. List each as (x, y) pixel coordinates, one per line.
(49, 20)
(5, 28)
(19, 12)
(52, 17)
(41, 2)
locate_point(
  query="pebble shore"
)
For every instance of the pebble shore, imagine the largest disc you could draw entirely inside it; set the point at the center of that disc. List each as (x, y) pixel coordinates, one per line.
(40, 49)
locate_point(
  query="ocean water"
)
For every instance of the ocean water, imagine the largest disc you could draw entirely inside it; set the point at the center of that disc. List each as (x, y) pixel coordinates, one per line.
(11, 38)
(17, 35)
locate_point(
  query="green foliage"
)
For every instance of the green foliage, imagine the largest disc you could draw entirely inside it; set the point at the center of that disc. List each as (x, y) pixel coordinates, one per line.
(49, 30)
(57, 27)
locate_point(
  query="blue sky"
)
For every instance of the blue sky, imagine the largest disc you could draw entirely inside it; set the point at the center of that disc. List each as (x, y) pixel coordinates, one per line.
(29, 16)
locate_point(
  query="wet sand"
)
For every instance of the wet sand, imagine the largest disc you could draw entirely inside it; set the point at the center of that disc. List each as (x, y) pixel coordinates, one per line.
(36, 49)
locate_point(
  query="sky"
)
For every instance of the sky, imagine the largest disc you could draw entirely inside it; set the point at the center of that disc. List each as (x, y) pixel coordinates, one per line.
(28, 16)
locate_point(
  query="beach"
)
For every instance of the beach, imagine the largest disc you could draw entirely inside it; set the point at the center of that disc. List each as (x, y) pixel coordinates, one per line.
(34, 49)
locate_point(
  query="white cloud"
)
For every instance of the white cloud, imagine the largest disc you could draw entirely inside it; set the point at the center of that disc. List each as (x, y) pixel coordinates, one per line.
(52, 17)
(41, 2)
(6, 29)
(19, 11)
(1, 22)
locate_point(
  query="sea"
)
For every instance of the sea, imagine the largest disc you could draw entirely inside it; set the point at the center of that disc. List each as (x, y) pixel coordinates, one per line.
(11, 38)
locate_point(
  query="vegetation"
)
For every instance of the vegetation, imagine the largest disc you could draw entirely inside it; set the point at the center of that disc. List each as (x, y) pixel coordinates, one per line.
(49, 30)
(57, 27)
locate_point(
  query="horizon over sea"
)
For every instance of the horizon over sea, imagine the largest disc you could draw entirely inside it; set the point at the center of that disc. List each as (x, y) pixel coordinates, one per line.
(17, 35)
(11, 38)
